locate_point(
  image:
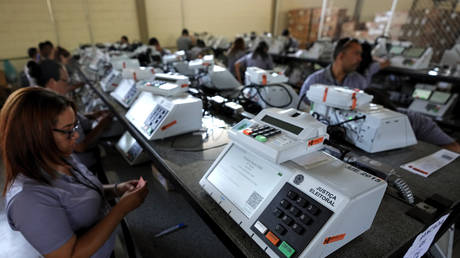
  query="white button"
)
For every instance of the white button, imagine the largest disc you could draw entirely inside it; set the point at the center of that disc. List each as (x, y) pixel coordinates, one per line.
(261, 227)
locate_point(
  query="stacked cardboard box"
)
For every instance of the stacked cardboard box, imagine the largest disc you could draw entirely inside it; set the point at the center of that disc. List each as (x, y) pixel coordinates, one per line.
(334, 18)
(299, 25)
(304, 24)
(438, 28)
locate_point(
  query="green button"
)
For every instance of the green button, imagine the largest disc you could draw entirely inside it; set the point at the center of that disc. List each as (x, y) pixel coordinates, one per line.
(286, 249)
(261, 138)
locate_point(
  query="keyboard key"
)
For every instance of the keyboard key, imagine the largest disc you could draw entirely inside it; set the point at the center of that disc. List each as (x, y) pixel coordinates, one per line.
(292, 195)
(302, 202)
(297, 228)
(278, 213)
(285, 204)
(306, 219)
(294, 211)
(312, 209)
(288, 220)
(280, 229)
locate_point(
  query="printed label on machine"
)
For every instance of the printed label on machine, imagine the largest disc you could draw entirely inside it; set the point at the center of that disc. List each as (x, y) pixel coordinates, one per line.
(324, 195)
(244, 179)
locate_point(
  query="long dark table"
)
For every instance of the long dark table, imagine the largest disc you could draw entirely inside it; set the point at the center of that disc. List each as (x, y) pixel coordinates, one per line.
(184, 160)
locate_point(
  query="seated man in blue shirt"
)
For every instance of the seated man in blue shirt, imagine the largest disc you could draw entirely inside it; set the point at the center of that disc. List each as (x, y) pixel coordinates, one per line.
(342, 72)
(347, 57)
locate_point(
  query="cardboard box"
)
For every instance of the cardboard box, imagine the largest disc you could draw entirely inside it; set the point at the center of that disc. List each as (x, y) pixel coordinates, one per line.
(163, 181)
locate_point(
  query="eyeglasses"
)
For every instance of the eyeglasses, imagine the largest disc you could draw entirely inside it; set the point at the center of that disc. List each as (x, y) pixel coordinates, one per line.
(70, 132)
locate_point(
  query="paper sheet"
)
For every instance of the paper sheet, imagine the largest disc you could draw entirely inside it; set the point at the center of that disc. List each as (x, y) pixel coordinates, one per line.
(430, 164)
(423, 241)
(140, 183)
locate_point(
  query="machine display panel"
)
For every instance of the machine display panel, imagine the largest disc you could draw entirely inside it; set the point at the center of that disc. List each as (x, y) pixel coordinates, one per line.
(440, 97)
(414, 52)
(244, 179)
(421, 94)
(283, 125)
(397, 50)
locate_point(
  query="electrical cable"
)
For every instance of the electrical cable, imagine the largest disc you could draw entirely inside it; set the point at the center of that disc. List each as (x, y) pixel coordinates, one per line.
(258, 87)
(301, 100)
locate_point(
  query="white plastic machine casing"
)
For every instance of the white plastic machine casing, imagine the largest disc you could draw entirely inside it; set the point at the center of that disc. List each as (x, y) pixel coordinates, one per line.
(141, 73)
(176, 57)
(126, 92)
(436, 104)
(381, 130)
(349, 195)
(111, 81)
(222, 79)
(258, 76)
(123, 63)
(278, 45)
(338, 97)
(166, 84)
(206, 62)
(299, 134)
(158, 117)
(415, 63)
(278, 95)
(130, 149)
(320, 49)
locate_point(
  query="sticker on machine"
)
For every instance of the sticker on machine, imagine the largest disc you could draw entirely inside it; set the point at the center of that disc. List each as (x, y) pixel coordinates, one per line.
(323, 194)
(332, 239)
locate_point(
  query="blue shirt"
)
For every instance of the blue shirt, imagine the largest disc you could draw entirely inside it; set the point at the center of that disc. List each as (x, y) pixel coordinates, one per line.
(325, 76)
(249, 61)
(49, 215)
(425, 129)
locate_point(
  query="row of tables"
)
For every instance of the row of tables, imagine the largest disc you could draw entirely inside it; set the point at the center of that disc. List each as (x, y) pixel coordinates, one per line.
(184, 159)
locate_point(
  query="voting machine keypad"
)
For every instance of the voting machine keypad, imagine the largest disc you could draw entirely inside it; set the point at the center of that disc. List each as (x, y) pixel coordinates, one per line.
(154, 119)
(134, 151)
(155, 83)
(130, 94)
(261, 132)
(290, 221)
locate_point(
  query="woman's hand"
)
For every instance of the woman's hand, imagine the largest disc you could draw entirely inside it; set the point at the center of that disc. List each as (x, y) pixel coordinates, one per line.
(132, 199)
(124, 187)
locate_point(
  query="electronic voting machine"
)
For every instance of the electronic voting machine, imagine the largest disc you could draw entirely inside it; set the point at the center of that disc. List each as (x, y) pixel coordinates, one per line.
(429, 101)
(272, 90)
(291, 198)
(126, 92)
(164, 109)
(368, 126)
(114, 77)
(410, 58)
(131, 150)
(166, 84)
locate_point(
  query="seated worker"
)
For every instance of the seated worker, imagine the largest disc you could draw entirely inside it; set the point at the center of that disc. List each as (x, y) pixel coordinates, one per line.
(156, 44)
(370, 65)
(235, 52)
(56, 203)
(51, 75)
(34, 58)
(292, 43)
(63, 57)
(424, 128)
(197, 51)
(259, 58)
(184, 42)
(46, 50)
(124, 40)
(347, 57)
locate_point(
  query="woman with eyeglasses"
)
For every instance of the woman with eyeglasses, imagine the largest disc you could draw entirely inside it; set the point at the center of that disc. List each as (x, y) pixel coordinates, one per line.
(52, 75)
(57, 204)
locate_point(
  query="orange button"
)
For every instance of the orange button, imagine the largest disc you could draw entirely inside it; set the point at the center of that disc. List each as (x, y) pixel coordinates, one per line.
(247, 131)
(272, 238)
